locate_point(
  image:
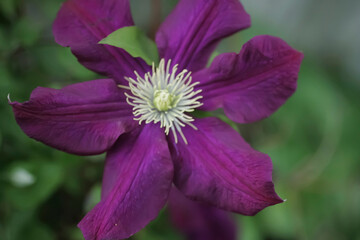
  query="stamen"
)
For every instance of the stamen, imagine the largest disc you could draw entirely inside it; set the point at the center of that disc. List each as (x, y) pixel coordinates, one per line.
(164, 96)
(124, 87)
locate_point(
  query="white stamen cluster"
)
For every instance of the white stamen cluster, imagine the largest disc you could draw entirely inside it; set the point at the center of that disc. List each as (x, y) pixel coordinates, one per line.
(164, 96)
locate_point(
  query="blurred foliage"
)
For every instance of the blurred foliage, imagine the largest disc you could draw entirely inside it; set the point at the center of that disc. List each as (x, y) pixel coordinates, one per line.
(313, 140)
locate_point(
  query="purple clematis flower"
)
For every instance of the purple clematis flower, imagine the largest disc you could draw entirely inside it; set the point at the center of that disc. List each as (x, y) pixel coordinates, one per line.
(204, 158)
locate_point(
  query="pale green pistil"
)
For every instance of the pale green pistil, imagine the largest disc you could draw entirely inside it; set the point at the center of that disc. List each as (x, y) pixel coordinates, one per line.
(163, 100)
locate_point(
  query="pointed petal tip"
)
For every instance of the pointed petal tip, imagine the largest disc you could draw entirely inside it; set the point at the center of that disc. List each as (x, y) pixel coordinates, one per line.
(299, 55)
(71, 121)
(248, 171)
(8, 98)
(279, 200)
(271, 202)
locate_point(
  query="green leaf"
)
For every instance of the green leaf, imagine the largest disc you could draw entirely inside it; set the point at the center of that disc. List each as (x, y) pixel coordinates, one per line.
(135, 42)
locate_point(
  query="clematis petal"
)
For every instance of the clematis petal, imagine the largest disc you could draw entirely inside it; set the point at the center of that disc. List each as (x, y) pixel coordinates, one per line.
(199, 221)
(141, 177)
(83, 118)
(81, 24)
(219, 168)
(192, 31)
(253, 84)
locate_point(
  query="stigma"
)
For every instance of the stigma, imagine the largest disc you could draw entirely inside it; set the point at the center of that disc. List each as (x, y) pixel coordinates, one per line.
(164, 96)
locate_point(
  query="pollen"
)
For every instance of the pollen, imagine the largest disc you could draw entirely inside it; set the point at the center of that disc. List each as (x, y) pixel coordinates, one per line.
(164, 96)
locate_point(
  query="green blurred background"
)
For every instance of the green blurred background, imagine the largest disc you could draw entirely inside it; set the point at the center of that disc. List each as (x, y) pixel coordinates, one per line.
(313, 139)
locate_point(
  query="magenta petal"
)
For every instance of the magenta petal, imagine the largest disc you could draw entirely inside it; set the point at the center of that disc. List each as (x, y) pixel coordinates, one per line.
(218, 167)
(192, 31)
(199, 221)
(83, 118)
(141, 174)
(81, 24)
(253, 84)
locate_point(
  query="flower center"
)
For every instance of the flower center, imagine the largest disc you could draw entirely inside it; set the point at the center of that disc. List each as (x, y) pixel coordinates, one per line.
(163, 100)
(164, 96)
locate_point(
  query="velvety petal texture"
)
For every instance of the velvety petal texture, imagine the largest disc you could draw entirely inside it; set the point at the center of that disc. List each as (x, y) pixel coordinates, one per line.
(191, 32)
(253, 84)
(199, 221)
(137, 181)
(83, 118)
(218, 167)
(81, 24)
